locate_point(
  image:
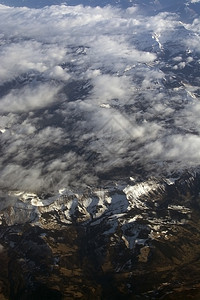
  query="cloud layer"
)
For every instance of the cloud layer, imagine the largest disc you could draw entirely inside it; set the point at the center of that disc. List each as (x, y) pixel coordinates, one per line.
(88, 93)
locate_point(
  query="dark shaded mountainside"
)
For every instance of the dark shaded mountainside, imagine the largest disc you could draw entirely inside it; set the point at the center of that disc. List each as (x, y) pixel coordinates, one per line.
(137, 242)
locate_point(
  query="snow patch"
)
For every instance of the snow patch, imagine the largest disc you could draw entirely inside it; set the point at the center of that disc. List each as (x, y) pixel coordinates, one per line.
(156, 37)
(133, 193)
(36, 202)
(179, 208)
(171, 180)
(104, 105)
(2, 130)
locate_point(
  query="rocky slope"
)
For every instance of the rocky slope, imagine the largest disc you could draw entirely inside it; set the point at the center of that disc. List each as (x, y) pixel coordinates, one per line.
(122, 242)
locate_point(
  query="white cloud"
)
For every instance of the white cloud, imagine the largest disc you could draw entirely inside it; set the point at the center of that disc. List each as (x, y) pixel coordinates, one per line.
(185, 148)
(107, 87)
(29, 98)
(31, 178)
(30, 56)
(69, 61)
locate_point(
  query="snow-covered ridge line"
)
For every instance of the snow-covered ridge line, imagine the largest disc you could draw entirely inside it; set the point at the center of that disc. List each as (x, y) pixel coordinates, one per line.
(132, 192)
(83, 207)
(88, 207)
(134, 208)
(135, 193)
(125, 204)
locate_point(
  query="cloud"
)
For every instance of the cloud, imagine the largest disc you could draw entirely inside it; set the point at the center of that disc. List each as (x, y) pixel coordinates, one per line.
(85, 91)
(29, 98)
(107, 87)
(30, 56)
(186, 147)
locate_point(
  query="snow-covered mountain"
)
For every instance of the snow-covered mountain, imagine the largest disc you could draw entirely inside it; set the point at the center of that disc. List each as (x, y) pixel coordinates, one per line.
(123, 234)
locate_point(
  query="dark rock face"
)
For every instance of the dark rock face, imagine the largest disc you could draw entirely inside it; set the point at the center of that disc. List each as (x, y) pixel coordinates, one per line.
(139, 241)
